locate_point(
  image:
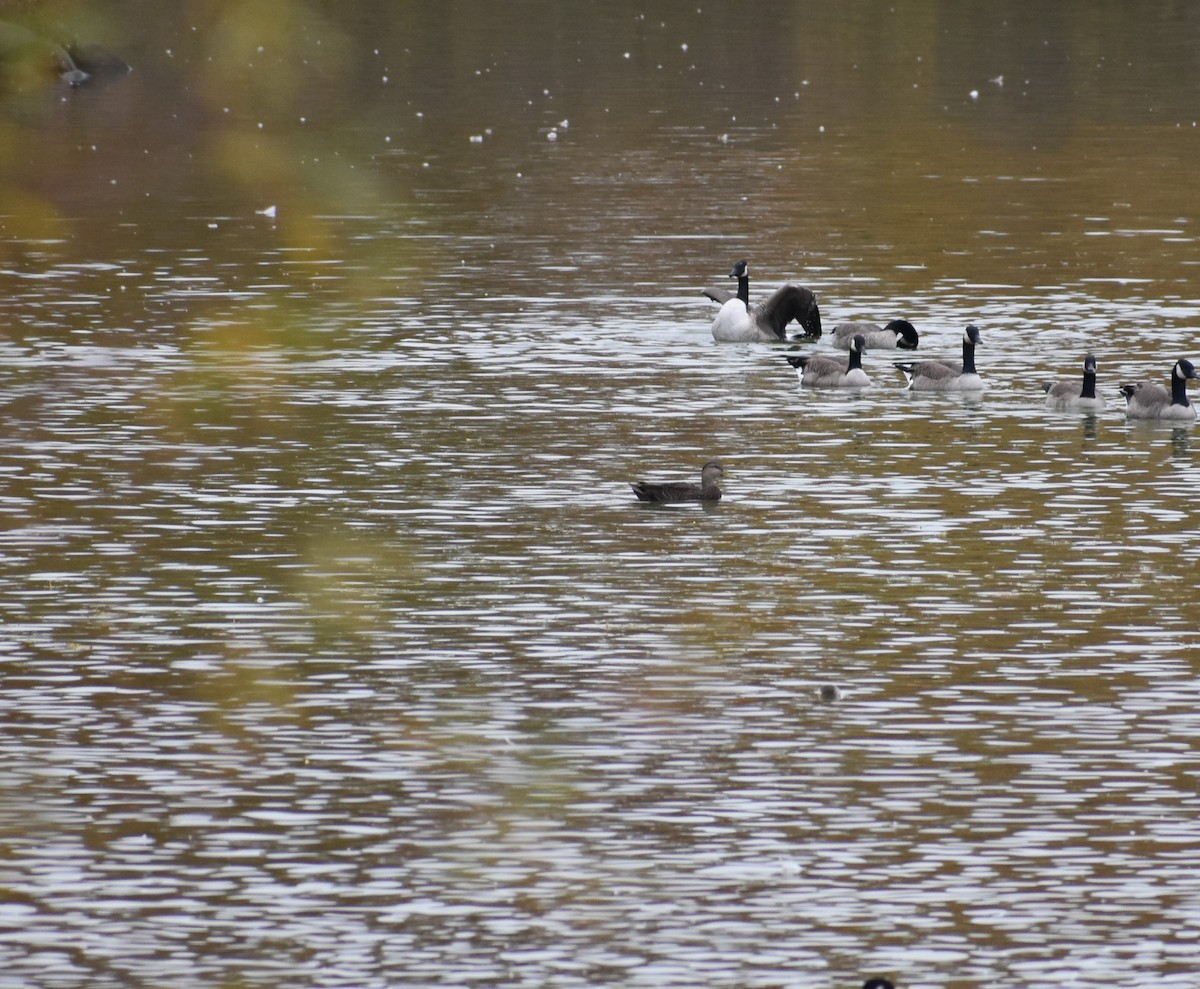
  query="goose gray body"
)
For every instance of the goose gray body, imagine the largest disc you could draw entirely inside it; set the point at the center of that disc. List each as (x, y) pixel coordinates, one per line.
(899, 334)
(947, 375)
(1150, 400)
(1071, 396)
(739, 321)
(709, 488)
(821, 371)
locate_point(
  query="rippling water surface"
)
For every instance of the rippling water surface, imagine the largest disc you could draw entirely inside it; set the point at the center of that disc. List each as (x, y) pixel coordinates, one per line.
(336, 650)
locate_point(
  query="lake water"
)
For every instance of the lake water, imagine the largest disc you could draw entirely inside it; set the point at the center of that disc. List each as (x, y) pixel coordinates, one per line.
(336, 651)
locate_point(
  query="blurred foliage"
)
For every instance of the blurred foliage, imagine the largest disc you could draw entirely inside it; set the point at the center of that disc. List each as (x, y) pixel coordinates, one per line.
(237, 134)
(216, 112)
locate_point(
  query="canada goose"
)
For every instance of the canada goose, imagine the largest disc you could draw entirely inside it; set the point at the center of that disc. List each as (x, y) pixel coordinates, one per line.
(820, 371)
(739, 321)
(1150, 400)
(878, 984)
(709, 488)
(1066, 396)
(899, 334)
(947, 375)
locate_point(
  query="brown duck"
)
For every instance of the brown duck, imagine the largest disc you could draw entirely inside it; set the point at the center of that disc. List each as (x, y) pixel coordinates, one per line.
(709, 488)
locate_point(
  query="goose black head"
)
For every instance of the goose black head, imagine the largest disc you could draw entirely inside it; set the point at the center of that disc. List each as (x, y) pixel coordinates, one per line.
(906, 334)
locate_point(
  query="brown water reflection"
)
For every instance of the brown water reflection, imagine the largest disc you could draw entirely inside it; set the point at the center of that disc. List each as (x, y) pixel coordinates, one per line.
(335, 649)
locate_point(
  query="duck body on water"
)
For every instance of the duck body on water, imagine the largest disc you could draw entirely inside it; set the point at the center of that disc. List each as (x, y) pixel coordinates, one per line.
(740, 322)
(947, 375)
(1150, 400)
(672, 492)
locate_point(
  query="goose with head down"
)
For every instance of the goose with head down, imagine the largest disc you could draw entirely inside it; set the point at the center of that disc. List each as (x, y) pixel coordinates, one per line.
(739, 321)
(899, 334)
